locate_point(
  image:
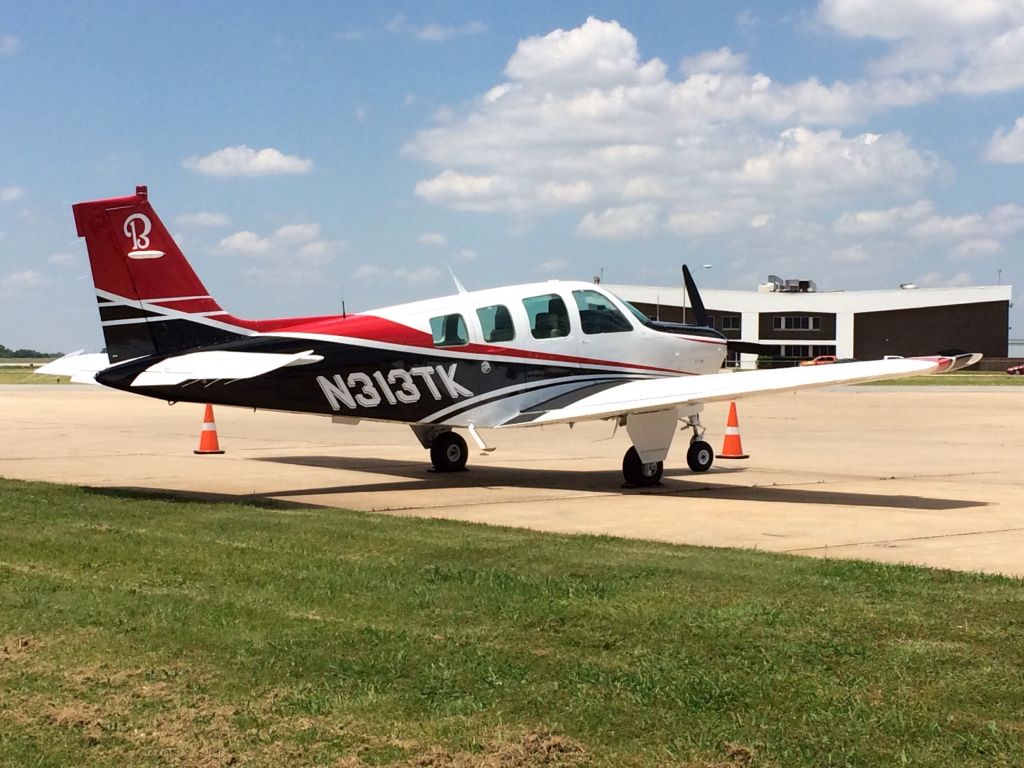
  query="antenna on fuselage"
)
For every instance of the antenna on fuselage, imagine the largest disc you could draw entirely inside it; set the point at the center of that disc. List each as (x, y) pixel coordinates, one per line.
(458, 286)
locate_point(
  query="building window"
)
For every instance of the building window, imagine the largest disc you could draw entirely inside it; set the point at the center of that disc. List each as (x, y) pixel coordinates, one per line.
(796, 323)
(730, 322)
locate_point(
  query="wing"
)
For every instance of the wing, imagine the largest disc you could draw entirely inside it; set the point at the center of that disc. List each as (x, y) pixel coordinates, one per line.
(651, 395)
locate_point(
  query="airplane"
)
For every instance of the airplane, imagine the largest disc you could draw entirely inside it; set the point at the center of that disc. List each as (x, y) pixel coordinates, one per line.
(557, 352)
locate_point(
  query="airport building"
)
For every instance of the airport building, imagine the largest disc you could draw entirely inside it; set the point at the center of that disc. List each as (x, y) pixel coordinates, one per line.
(802, 322)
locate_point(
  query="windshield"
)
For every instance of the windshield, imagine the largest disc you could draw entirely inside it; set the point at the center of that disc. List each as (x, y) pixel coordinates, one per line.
(636, 312)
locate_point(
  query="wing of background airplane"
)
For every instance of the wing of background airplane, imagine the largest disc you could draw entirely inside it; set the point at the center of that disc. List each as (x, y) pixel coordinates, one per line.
(653, 395)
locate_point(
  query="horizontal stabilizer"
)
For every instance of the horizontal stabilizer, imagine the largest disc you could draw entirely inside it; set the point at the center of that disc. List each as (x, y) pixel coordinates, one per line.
(80, 366)
(215, 364)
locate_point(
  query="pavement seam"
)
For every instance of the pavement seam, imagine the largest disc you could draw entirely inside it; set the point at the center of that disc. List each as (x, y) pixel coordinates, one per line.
(909, 538)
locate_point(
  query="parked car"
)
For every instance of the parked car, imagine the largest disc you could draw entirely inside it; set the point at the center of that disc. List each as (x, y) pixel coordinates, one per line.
(1016, 370)
(819, 360)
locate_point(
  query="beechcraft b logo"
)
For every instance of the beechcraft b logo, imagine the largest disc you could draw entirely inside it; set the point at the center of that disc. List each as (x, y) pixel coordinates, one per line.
(137, 228)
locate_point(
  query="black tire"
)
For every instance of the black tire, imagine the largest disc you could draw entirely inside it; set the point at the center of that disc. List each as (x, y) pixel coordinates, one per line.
(637, 473)
(449, 452)
(700, 456)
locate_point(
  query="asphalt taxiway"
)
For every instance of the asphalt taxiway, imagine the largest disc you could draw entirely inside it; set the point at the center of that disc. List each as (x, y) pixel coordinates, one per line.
(930, 476)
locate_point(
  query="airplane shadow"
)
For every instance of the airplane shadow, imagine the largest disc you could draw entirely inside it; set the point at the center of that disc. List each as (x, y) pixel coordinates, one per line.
(592, 481)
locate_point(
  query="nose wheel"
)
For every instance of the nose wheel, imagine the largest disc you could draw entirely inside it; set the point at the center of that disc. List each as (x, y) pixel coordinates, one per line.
(700, 456)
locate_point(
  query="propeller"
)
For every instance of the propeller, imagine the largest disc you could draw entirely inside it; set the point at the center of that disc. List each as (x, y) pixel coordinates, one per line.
(701, 318)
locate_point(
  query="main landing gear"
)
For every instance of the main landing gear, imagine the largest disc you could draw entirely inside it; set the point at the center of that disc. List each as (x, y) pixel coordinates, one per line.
(448, 452)
(699, 456)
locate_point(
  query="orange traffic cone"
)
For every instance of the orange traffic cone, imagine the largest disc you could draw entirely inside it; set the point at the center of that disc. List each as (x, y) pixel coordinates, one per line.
(732, 448)
(208, 437)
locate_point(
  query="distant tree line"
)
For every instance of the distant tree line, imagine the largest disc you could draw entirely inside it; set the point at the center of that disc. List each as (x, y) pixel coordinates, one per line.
(6, 353)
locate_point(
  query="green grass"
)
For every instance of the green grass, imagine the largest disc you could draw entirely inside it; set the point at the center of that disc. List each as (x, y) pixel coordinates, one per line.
(26, 376)
(151, 632)
(958, 379)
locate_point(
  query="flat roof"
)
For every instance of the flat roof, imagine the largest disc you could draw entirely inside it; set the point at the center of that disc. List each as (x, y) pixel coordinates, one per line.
(838, 302)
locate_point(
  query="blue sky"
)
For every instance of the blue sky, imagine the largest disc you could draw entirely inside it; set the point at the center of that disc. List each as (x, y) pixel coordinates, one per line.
(356, 151)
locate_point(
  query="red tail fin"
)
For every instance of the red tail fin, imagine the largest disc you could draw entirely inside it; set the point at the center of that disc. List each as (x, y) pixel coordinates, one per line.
(151, 301)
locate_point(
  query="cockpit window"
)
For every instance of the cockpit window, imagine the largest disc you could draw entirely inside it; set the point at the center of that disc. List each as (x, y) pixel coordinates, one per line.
(636, 312)
(549, 319)
(449, 331)
(599, 315)
(496, 323)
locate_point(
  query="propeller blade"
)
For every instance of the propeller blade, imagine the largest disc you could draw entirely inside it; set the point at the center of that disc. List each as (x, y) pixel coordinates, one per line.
(753, 348)
(700, 314)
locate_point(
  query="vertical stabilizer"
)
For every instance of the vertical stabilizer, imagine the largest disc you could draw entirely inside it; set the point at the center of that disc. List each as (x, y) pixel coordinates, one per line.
(150, 299)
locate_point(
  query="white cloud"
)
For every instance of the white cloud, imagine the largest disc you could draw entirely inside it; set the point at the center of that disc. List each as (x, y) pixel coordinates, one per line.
(467, 192)
(971, 250)
(1007, 146)
(614, 223)
(244, 161)
(9, 45)
(699, 222)
(15, 282)
(432, 238)
(62, 259)
(438, 33)
(433, 32)
(722, 60)
(595, 54)
(245, 242)
(298, 242)
(974, 46)
(379, 274)
(297, 233)
(872, 222)
(940, 280)
(805, 162)
(1001, 221)
(553, 266)
(203, 219)
(583, 121)
(10, 194)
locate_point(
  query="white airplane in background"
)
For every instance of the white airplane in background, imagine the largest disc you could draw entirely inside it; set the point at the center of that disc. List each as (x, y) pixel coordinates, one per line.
(521, 356)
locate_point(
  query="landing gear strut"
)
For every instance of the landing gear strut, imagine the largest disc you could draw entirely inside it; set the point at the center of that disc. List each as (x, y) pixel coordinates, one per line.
(448, 452)
(700, 456)
(637, 472)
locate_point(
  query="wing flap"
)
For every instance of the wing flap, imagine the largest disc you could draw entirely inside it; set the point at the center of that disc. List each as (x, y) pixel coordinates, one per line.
(650, 395)
(217, 364)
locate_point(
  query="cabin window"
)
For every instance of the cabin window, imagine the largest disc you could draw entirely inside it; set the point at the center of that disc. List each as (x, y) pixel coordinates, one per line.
(549, 319)
(449, 331)
(598, 314)
(496, 323)
(730, 322)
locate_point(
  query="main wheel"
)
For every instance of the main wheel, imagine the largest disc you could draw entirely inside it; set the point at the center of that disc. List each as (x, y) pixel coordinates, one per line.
(637, 473)
(448, 452)
(700, 456)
